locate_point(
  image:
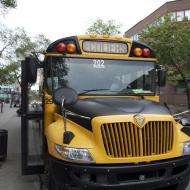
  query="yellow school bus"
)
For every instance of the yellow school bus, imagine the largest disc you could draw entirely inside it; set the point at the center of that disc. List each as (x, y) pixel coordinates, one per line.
(100, 124)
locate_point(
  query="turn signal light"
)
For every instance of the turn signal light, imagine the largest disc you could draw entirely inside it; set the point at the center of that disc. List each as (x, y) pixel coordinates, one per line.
(71, 48)
(138, 52)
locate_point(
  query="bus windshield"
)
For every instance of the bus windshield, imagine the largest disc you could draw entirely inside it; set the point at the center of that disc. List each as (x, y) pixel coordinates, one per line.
(101, 76)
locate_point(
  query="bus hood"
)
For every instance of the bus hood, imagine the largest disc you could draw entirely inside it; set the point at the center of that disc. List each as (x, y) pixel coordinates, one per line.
(113, 106)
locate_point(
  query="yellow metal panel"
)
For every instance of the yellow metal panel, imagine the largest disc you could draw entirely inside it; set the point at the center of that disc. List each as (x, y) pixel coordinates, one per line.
(161, 137)
(158, 137)
(129, 139)
(133, 139)
(54, 133)
(106, 142)
(93, 139)
(117, 139)
(127, 151)
(109, 139)
(122, 140)
(171, 137)
(101, 56)
(145, 140)
(50, 109)
(136, 140)
(154, 137)
(165, 137)
(150, 144)
(114, 141)
(141, 147)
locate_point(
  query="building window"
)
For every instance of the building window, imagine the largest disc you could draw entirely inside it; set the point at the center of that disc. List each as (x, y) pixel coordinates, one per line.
(135, 37)
(180, 15)
(187, 14)
(162, 19)
(173, 16)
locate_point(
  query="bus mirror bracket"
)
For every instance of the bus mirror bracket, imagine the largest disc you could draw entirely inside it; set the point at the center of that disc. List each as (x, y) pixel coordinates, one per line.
(31, 66)
(65, 97)
(161, 76)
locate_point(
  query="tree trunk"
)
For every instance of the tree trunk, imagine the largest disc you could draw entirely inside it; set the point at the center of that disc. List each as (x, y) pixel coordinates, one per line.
(185, 82)
(17, 78)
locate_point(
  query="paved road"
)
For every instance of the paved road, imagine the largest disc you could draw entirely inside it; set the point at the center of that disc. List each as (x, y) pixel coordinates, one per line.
(10, 171)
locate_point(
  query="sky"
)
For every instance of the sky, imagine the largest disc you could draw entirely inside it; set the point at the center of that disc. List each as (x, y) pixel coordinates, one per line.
(61, 18)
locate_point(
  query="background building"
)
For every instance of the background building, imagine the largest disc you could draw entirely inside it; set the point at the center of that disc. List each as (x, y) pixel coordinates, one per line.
(8, 92)
(178, 10)
(173, 93)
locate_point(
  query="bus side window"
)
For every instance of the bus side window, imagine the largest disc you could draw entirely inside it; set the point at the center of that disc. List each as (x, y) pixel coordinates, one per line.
(55, 75)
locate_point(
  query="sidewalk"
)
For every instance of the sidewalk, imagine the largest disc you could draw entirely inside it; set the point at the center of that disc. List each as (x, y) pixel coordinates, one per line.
(10, 170)
(6, 115)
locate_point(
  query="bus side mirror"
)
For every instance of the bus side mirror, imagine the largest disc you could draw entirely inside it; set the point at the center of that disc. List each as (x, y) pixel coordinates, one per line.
(31, 66)
(65, 96)
(161, 77)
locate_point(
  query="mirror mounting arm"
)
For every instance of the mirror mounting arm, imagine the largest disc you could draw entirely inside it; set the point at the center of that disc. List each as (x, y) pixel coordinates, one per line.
(62, 97)
(67, 135)
(64, 113)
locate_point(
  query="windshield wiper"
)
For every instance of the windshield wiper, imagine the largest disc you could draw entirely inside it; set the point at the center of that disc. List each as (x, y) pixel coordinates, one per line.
(92, 90)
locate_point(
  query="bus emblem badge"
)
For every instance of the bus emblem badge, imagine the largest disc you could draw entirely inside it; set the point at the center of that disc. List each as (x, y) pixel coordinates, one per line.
(139, 120)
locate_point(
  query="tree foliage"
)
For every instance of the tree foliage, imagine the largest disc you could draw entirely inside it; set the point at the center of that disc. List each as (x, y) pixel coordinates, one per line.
(171, 41)
(9, 74)
(15, 46)
(100, 27)
(7, 4)
(10, 40)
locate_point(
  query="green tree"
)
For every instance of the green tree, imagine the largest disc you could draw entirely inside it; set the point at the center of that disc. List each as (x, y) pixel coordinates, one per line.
(7, 4)
(100, 27)
(171, 41)
(11, 40)
(15, 46)
(9, 74)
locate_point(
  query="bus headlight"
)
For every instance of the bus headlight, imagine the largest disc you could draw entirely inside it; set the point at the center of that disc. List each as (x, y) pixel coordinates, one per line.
(186, 148)
(78, 155)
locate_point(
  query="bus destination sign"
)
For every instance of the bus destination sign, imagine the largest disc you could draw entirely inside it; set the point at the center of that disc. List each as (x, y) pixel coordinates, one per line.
(105, 47)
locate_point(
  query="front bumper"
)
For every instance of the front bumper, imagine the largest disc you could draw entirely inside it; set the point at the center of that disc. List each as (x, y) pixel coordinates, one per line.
(144, 176)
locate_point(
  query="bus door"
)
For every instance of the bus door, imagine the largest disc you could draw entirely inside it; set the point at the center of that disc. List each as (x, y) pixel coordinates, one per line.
(32, 139)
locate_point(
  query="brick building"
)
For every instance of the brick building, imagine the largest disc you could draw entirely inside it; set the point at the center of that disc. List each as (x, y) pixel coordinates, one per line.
(177, 9)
